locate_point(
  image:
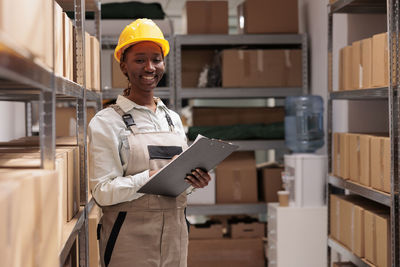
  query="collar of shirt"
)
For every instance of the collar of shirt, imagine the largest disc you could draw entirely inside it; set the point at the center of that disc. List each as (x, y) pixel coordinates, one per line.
(127, 104)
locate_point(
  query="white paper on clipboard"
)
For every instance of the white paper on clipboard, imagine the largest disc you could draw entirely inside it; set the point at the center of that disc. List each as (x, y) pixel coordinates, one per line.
(204, 153)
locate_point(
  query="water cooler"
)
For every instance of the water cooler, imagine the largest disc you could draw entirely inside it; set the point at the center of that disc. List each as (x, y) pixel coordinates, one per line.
(297, 234)
(305, 179)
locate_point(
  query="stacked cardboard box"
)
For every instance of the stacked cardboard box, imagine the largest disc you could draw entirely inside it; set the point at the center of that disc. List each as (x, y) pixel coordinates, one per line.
(94, 219)
(269, 183)
(210, 116)
(66, 120)
(363, 159)
(261, 68)
(236, 179)
(67, 165)
(247, 230)
(206, 231)
(29, 225)
(205, 17)
(364, 64)
(268, 16)
(362, 226)
(226, 252)
(193, 63)
(35, 32)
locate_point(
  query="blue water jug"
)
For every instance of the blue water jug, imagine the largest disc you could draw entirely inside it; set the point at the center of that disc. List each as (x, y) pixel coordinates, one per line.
(304, 127)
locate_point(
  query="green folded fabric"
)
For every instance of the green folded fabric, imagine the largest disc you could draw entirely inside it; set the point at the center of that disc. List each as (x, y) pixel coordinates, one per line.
(240, 131)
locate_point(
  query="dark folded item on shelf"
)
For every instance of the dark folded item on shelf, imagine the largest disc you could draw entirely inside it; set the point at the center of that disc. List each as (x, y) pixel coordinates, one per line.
(240, 131)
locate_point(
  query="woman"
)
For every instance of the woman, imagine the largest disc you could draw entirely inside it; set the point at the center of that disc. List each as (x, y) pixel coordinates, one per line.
(130, 142)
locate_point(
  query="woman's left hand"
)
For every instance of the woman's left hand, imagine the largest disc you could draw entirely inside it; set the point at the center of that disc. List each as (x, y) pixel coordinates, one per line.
(198, 178)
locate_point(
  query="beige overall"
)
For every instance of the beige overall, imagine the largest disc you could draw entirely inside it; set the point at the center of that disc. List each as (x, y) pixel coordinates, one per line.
(151, 230)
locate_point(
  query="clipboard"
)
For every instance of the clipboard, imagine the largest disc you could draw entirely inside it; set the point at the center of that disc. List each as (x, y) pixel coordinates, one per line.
(204, 153)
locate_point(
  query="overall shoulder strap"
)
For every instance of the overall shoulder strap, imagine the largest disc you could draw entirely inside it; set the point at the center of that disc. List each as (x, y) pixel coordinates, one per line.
(169, 120)
(127, 118)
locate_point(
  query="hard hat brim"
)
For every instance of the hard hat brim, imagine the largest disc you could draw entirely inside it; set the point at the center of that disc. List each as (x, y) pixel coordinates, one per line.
(162, 43)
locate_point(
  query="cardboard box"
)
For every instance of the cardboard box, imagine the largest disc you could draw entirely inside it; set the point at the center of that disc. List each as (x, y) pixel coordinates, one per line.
(380, 163)
(68, 48)
(205, 231)
(366, 62)
(204, 195)
(261, 68)
(268, 16)
(95, 63)
(209, 116)
(248, 230)
(334, 216)
(30, 26)
(66, 120)
(88, 66)
(9, 207)
(380, 64)
(247, 252)
(193, 63)
(365, 160)
(377, 238)
(354, 157)
(118, 79)
(205, 17)
(344, 156)
(94, 253)
(336, 155)
(345, 218)
(270, 184)
(236, 179)
(58, 40)
(341, 75)
(347, 68)
(67, 165)
(36, 218)
(356, 65)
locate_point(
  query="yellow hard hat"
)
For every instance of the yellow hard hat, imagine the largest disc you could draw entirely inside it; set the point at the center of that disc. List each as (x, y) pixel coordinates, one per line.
(138, 31)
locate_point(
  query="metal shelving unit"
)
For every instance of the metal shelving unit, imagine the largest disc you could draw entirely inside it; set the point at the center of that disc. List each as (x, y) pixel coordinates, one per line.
(168, 92)
(23, 80)
(391, 8)
(219, 42)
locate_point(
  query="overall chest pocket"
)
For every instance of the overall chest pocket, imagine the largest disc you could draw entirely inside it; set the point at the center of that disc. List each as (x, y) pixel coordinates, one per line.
(163, 152)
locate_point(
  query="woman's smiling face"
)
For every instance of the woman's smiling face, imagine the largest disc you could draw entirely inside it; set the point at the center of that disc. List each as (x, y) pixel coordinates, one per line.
(144, 65)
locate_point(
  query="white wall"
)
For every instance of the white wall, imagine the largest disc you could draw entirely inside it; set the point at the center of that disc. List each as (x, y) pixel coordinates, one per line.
(12, 117)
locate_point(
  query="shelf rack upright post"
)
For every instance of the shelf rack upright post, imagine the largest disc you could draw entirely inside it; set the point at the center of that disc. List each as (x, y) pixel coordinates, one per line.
(391, 94)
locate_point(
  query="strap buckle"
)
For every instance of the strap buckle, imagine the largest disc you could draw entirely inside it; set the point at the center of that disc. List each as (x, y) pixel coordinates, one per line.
(128, 120)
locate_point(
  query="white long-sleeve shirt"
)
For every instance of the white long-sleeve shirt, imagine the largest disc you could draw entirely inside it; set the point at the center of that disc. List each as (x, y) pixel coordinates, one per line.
(109, 149)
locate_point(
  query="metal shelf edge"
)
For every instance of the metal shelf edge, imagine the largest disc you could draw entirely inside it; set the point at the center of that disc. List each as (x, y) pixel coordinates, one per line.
(226, 209)
(362, 94)
(252, 145)
(72, 236)
(162, 92)
(240, 92)
(238, 39)
(371, 194)
(345, 252)
(356, 6)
